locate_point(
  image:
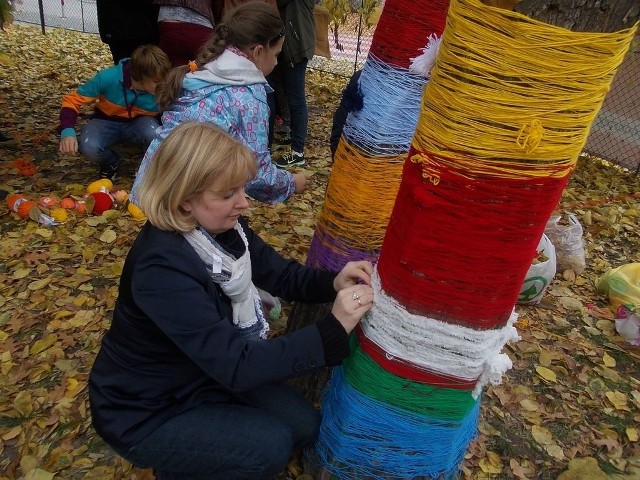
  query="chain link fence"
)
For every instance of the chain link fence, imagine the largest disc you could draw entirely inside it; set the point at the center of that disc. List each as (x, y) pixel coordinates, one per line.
(615, 135)
(80, 15)
(349, 45)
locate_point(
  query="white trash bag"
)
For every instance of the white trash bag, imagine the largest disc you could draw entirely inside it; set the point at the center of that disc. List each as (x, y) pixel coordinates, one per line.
(569, 244)
(540, 274)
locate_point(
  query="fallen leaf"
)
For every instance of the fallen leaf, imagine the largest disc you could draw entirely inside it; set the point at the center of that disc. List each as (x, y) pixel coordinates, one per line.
(547, 374)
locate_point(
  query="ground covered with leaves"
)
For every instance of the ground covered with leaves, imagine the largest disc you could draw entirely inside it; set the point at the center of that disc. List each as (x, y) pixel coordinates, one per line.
(569, 409)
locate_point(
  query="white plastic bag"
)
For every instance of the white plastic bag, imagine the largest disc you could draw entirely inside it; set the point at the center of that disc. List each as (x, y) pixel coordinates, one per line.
(567, 239)
(628, 325)
(539, 275)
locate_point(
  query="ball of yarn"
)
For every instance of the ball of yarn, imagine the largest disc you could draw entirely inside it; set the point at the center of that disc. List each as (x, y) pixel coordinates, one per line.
(103, 202)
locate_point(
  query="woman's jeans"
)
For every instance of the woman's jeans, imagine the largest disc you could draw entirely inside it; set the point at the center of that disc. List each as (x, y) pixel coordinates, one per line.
(231, 441)
(98, 135)
(292, 80)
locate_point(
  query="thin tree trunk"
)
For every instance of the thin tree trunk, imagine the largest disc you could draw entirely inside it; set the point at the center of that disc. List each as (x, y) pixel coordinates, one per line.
(304, 314)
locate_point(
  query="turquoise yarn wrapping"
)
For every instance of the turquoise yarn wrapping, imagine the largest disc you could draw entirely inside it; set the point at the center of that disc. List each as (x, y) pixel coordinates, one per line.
(363, 438)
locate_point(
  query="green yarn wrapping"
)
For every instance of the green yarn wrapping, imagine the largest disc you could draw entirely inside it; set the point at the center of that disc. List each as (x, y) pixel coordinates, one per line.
(366, 376)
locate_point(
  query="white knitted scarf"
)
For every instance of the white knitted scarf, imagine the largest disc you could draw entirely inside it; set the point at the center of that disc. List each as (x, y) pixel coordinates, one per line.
(233, 276)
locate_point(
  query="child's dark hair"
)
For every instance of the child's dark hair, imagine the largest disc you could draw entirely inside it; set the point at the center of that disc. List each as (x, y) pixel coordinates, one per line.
(148, 62)
(252, 23)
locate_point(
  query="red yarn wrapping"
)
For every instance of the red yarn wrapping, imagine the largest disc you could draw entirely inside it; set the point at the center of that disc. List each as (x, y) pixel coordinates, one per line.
(402, 368)
(460, 250)
(404, 29)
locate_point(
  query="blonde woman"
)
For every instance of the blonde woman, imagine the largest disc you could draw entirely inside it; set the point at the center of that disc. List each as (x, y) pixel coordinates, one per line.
(186, 381)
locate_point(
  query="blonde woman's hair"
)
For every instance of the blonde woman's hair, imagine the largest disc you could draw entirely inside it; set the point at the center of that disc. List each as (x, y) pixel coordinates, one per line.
(188, 161)
(148, 62)
(250, 24)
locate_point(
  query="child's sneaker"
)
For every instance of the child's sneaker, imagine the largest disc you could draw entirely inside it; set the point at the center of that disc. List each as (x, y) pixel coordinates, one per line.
(109, 171)
(289, 159)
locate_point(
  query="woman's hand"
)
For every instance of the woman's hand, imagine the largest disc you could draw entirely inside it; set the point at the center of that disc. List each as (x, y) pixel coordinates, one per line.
(351, 304)
(353, 273)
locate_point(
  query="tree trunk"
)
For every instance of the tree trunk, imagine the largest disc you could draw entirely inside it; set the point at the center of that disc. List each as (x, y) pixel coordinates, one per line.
(583, 15)
(304, 314)
(575, 15)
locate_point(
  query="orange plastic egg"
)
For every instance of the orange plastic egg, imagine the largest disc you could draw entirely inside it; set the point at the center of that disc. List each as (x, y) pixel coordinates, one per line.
(68, 202)
(48, 202)
(14, 200)
(24, 207)
(81, 206)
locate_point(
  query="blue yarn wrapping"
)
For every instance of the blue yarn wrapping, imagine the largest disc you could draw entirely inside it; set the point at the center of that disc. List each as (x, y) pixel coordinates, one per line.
(391, 107)
(363, 438)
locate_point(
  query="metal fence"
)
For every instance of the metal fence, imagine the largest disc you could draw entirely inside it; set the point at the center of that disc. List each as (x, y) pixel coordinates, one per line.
(615, 135)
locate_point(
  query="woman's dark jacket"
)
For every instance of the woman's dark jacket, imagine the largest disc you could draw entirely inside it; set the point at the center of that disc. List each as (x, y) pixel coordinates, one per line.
(172, 345)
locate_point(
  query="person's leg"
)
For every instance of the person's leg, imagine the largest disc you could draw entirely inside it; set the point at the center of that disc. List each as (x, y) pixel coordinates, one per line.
(294, 88)
(94, 142)
(291, 408)
(181, 40)
(140, 131)
(217, 442)
(120, 50)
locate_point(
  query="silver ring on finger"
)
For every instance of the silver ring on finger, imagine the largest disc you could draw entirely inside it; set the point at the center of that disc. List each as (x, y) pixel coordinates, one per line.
(355, 296)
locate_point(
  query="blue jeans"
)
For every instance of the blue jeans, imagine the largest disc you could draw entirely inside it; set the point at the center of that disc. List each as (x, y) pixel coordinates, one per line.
(231, 441)
(98, 135)
(293, 82)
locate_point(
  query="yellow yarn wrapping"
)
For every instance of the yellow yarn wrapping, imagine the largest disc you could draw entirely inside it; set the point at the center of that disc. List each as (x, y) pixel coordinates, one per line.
(360, 196)
(514, 96)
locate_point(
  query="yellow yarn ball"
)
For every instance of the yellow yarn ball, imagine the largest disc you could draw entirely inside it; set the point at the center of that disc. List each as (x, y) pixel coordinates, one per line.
(59, 214)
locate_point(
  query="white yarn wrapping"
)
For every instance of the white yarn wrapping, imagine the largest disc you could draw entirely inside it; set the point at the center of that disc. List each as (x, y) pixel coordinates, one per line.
(422, 64)
(436, 346)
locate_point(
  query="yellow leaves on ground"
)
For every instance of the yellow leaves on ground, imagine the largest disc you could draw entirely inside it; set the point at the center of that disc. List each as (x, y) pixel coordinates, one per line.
(491, 463)
(583, 469)
(618, 400)
(572, 393)
(43, 344)
(546, 373)
(545, 439)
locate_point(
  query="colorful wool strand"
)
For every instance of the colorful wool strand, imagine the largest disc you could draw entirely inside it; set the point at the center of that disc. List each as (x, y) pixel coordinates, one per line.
(366, 376)
(527, 94)
(361, 437)
(391, 106)
(404, 29)
(483, 233)
(429, 344)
